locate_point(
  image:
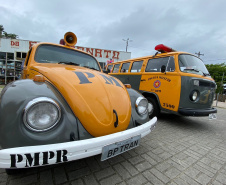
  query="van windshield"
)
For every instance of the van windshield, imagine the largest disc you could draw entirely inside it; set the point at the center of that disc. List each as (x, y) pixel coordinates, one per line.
(56, 54)
(192, 64)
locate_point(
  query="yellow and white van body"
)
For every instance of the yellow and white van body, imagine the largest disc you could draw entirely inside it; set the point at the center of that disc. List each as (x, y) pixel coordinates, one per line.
(172, 81)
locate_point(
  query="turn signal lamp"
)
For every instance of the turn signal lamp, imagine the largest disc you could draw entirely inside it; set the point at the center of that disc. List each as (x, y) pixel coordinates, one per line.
(163, 49)
(62, 42)
(127, 86)
(39, 78)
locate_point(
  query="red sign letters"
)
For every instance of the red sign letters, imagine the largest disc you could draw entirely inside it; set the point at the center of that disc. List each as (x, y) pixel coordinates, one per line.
(101, 53)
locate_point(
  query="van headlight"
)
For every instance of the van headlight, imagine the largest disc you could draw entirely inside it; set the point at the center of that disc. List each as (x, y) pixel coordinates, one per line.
(41, 114)
(194, 95)
(142, 105)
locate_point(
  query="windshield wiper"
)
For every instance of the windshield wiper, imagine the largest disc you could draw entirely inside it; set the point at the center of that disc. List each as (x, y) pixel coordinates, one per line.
(206, 74)
(91, 68)
(44, 61)
(69, 63)
(192, 70)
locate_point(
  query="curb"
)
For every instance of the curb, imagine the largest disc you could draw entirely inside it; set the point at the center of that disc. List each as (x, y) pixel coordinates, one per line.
(219, 104)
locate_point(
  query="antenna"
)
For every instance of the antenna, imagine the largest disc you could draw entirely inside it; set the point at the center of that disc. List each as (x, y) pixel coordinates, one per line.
(199, 54)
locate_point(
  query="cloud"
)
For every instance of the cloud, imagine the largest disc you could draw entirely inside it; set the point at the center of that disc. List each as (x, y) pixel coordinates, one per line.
(190, 26)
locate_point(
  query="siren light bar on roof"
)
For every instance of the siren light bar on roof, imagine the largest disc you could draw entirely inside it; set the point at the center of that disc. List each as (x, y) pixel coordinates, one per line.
(163, 49)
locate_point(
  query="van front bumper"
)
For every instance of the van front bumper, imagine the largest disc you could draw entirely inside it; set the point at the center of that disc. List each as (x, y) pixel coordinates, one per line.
(197, 112)
(41, 155)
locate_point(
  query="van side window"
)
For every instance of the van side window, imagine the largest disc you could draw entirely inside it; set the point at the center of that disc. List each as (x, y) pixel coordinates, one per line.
(125, 67)
(154, 65)
(171, 65)
(136, 67)
(116, 68)
(110, 68)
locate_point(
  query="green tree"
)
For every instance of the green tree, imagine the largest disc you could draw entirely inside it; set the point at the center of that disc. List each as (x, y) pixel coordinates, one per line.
(12, 35)
(7, 35)
(1, 30)
(218, 73)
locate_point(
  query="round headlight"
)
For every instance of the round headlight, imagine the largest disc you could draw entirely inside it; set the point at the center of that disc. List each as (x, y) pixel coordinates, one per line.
(194, 95)
(141, 105)
(41, 114)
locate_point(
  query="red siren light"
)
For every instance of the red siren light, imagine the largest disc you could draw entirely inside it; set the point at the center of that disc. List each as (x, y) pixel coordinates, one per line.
(62, 42)
(163, 49)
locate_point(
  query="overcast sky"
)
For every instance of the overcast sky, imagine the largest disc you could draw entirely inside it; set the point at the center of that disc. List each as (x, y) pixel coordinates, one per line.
(184, 25)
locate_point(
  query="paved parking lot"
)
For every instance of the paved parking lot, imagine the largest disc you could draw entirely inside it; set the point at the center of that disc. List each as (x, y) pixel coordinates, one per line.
(181, 150)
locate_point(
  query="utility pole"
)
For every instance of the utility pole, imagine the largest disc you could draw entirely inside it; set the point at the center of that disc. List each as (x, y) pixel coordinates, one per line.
(199, 54)
(222, 83)
(127, 40)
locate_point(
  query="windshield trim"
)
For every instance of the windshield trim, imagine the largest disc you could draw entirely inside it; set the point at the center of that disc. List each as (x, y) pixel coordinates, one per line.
(197, 71)
(71, 49)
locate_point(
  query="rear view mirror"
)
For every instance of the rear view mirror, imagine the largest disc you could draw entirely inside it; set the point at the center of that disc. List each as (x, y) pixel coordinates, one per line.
(163, 69)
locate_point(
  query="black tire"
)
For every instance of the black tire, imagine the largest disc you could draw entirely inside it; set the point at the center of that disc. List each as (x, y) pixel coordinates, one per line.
(155, 107)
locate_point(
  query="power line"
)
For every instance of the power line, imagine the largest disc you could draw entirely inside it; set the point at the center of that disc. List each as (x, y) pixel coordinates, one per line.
(215, 59)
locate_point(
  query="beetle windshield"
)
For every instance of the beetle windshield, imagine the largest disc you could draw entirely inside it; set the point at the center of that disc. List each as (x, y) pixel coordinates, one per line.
(56, 54)
(192, 64)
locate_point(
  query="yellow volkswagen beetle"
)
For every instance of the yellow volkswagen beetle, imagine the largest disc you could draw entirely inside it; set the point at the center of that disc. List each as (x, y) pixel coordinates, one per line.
(65, 108)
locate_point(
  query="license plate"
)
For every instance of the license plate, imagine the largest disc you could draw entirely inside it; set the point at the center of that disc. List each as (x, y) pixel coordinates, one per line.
(212, 116)
(114, 149)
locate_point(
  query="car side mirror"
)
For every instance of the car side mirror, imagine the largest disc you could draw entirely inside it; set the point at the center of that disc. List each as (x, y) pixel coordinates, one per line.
(163, 69)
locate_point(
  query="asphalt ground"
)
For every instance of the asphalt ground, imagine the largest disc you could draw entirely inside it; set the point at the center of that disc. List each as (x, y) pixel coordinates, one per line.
(181, 150)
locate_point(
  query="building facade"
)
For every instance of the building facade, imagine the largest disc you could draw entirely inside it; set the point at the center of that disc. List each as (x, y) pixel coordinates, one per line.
(14, 51)
(103, 55)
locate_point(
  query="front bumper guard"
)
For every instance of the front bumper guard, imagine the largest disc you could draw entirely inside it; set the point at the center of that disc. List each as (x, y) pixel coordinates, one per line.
(41, 155)
(197, 112)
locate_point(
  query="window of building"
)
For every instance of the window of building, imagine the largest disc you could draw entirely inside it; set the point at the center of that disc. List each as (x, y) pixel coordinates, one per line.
(2, 65)
(2, 55)
(10, 56)
(136, 67)
(21, 55)
(24, 55)
(18, 55)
